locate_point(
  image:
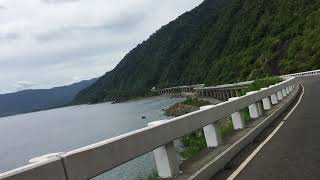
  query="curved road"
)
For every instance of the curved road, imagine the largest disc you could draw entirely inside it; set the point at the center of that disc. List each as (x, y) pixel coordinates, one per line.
(293, 153)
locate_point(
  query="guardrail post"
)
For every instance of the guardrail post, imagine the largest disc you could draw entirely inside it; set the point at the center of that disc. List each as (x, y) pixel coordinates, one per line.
(279, 95)
(211, 132)
(166, 158)
(253, 111)
(237, 118)
(274, 99)
(266, 102)
(212, 135)
(253, 108)
(260, 108)
(287, 90)
(284, 93)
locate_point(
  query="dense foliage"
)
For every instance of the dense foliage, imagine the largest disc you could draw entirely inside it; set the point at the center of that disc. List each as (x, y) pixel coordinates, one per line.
(263, 82)
(195, 102)
(220, 41)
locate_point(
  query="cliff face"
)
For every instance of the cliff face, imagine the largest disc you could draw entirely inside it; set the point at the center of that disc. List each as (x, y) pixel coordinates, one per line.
(218, 42)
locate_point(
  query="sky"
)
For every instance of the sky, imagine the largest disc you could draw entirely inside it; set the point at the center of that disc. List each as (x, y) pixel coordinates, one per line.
(49, 43)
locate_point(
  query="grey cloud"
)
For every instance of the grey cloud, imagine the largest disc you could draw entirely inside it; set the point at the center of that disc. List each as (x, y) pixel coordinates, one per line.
(3, 8)
(63, 44)
(58, 1)
(8, 36)
(125, 23)
(20, 85)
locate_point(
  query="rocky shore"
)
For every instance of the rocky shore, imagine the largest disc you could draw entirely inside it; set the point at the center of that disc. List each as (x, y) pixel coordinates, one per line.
(180, 109)
(185, 107)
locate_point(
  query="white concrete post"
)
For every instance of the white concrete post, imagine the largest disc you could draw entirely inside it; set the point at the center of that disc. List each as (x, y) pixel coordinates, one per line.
(260, 108)
(212, 135)
(266, 102)
(284, 93)
(166, 157)
(253, 108)
(279, 95)
(253, 111)
(287, 90)
(211, 132)
(274, 99)
(237, 118)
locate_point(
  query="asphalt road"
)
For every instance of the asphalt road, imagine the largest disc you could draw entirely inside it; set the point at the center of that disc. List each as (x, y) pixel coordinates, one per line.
(293, 153)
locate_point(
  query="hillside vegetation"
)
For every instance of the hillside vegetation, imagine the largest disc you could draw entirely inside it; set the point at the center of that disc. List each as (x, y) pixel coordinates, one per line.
(218, 42)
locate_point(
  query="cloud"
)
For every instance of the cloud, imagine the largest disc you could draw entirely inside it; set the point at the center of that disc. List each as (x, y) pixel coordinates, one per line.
(58, 1)
(21, 85)
(50, 45)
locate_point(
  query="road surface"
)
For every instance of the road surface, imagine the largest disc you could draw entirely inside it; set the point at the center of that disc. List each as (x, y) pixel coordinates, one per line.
(293, 153)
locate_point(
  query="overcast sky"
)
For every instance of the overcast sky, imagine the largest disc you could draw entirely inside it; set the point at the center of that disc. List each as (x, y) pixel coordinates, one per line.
(48, 43)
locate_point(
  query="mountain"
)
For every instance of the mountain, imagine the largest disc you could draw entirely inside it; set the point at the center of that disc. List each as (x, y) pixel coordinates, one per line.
(220, 41)
(39, 99)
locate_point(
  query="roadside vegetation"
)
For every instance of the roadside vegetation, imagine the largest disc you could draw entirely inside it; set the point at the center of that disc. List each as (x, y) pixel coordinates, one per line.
(262, 83)
(152, 176)
(195, 102)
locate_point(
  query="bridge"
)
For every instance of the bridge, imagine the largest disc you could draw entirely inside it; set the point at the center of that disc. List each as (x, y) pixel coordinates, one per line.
(290, 154)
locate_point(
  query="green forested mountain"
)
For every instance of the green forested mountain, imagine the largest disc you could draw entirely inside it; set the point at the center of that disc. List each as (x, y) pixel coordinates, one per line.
(220, 41)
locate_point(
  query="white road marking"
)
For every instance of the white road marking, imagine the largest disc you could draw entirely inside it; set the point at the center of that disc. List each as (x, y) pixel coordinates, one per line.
(255, 152)
(294, 108)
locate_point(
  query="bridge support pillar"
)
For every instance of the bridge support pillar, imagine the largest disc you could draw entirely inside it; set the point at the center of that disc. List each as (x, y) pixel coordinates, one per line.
(237, 118)
(284, 93)
(274, 99)
(238, 93)
(166, 158)
(279, 95)
(220, 95)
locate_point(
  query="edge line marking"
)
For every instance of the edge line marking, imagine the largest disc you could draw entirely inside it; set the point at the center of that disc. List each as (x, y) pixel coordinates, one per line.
(255, 152)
